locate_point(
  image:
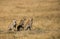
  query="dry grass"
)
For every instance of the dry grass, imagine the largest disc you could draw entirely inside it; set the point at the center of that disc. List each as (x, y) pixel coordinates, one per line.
(45, 13)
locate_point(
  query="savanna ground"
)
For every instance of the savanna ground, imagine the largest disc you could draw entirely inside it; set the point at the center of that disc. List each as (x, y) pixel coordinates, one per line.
(45, 13)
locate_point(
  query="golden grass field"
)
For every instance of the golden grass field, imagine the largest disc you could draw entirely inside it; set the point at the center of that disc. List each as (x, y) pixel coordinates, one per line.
(45, 13)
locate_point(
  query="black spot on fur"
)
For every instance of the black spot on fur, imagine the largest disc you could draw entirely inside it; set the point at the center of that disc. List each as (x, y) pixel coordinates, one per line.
(20, 27)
